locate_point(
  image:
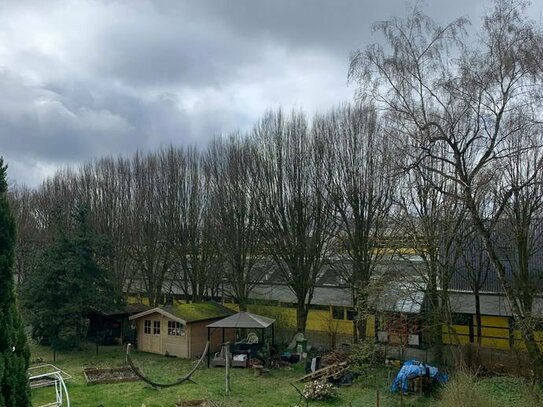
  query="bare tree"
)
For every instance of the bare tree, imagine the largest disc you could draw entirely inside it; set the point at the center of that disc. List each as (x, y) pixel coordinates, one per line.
(299, 222)
(237, 220)
(520, 233)
(196, 253)
(460, 103)
(152, 245)
(361, 191)
(28, 245)
(105, 187)
(431, 221)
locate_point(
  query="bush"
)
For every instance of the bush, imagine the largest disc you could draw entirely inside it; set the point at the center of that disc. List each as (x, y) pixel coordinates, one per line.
(319, 390)
(363, 356)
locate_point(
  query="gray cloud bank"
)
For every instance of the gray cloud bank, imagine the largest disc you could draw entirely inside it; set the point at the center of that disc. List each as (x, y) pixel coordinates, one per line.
(82, 79)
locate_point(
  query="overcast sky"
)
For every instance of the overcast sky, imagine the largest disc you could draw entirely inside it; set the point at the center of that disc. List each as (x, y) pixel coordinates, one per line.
(82, 79)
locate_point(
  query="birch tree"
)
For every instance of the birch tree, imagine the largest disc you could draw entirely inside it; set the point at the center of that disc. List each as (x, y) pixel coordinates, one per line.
(459, 101)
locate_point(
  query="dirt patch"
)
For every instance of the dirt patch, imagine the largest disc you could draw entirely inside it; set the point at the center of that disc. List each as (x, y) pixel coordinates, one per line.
(115, 375)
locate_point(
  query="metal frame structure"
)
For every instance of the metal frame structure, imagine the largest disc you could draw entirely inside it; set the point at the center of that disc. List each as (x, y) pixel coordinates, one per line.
(54, 377)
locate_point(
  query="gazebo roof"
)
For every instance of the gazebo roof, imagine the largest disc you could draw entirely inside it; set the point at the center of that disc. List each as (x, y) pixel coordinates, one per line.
(243, 320)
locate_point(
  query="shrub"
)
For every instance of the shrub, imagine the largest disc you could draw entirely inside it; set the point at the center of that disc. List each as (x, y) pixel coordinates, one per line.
(363, 357)
(319, 390)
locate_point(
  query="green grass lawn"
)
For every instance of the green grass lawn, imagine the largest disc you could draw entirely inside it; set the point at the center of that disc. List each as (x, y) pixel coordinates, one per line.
(246, 390)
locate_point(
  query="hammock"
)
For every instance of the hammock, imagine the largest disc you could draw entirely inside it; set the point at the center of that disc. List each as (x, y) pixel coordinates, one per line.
(185, 378)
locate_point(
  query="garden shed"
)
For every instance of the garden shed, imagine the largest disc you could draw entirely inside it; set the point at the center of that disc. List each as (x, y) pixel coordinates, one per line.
(178, 329)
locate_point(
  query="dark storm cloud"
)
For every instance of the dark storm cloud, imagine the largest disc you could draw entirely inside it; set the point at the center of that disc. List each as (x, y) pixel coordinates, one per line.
(71, 123)
(168, 49)
(335, 26)
(81, 79)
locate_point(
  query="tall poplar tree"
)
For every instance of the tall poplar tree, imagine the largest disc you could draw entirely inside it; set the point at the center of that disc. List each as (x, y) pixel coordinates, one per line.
(14, 353)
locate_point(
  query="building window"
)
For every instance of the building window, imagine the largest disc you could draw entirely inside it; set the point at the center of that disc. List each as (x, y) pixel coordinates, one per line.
(175, 328)
(156, 327)
(147, 327)
(338, 313)
(461, 319)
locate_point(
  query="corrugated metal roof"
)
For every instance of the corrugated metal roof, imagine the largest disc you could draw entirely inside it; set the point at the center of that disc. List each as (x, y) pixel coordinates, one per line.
(401, 296)
(475, 259)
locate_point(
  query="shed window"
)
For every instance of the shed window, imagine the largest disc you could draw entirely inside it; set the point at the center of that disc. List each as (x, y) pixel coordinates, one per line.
(175, 328)
(147, 327)
(156, 327)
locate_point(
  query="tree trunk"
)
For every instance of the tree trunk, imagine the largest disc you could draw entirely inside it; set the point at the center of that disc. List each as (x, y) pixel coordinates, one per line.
(242, 304)
(361, 320)
(360, 326)
(301, 317)
(435, 317)
(478, 317)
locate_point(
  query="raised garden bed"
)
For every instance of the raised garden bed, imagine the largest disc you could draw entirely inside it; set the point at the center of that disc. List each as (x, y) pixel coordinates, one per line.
(114, 375)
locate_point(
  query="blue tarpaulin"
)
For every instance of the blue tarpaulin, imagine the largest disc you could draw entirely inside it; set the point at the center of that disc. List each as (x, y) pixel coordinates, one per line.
(412, 369)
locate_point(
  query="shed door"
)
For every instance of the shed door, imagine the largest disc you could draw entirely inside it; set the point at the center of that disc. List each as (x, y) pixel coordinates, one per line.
(144, 335)
(155, 337)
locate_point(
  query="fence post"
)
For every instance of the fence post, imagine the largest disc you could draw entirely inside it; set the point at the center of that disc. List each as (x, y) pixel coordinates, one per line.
(227, 370)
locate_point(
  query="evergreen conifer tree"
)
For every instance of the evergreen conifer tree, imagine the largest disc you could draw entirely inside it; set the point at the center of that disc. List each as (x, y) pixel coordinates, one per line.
(67, 284)
(14, 352)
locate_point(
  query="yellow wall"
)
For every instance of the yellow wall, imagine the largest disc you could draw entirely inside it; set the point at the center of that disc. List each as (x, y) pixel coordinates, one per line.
(458, 333)
(132, 299)
(317, 320)
(494, 333)
(519, 342)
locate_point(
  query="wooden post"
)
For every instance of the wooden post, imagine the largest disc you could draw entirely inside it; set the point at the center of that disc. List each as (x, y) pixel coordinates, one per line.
(227, 370)
(209, 348)
(377, 398)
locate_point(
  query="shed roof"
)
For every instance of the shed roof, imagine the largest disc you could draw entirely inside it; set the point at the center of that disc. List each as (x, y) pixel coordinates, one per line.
(187, 313)
(243, 320)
